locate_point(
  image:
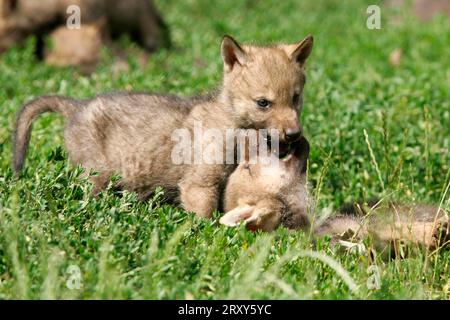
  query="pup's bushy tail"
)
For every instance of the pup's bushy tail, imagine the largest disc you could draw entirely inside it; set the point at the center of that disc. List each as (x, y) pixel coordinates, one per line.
(28, 114)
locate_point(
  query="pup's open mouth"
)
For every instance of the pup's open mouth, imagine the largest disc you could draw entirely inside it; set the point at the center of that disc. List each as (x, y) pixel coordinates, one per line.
(285, 149)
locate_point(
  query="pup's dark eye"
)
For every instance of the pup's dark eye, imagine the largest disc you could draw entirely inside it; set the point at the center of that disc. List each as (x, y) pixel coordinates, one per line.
(263, 103)
(295, 99)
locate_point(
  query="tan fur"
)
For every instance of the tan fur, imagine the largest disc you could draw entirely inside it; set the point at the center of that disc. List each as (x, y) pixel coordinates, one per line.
(130, 134)
(268, 72)
(267, 196)
(392, 224)
(72, 47)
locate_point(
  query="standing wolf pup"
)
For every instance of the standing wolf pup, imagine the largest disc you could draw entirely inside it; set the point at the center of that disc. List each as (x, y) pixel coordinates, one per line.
(130, 133)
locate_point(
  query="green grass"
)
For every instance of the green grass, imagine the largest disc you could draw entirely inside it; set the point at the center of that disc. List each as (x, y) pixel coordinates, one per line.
(128, 249)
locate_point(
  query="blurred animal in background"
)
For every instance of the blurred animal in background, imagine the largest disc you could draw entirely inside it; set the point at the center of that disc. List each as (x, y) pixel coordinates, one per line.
(423, 9)
(75, 47)
(100, 22)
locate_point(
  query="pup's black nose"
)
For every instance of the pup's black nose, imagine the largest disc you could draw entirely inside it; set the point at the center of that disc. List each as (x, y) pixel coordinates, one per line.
(293, 134)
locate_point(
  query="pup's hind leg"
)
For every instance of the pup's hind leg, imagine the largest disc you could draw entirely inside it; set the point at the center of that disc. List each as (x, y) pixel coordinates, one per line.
(84, 147)
(429, 235)
(341, 227)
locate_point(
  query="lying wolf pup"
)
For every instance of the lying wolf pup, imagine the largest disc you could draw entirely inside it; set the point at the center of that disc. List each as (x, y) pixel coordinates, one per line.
(130, 134)
(267, 194)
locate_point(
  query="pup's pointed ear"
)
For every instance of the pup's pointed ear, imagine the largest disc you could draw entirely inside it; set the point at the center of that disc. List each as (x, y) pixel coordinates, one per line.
(232, 53)
(299, 52)
(239, 214)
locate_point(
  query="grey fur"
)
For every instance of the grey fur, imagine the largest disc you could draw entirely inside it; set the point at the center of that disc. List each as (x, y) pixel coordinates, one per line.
(131, 133)
(28, 114)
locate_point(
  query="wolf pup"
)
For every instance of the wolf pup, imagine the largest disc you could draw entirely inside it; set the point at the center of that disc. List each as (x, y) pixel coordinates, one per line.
(268, 196)
(269, 192)
(131, 133)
